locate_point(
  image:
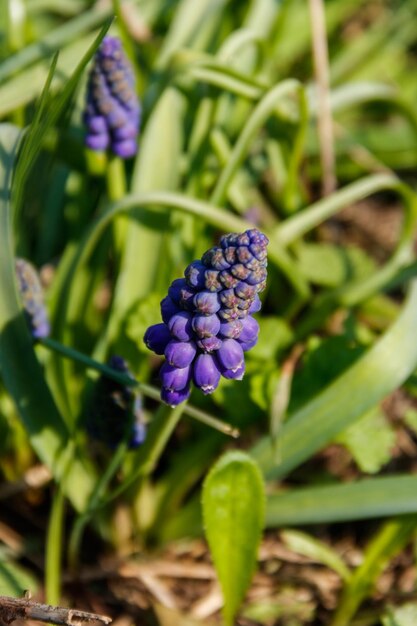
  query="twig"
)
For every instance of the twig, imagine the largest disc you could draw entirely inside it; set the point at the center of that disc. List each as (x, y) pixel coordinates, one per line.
(24, 608)
(324, 116)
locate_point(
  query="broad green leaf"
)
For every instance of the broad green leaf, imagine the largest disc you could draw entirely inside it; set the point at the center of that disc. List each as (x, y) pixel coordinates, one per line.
(233, 512)
(313, 548)
(381, 370)
(363, 499)
(370, 441)
(322, 362)
(21, 372)
(274, 335)
(330, 265)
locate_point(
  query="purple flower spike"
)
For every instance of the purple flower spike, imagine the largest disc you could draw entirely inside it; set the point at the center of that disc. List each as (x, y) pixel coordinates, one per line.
(209, 315)
(206, 373)
(205, 325)
(112, 112)
(173, 398)
(157, 337)
(230, 355)
(180, 326)
(31, 292)
(180, 353)
(175, 378)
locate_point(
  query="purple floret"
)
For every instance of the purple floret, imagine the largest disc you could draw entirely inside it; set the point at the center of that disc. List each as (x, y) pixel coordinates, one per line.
(175, 378)
(180, 353)
(206, 373)
(157, 337)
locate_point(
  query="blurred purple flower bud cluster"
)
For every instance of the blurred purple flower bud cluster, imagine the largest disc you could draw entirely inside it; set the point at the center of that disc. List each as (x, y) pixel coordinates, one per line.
(207, 317)
(31, 292)
(112, 112)
(115, 411)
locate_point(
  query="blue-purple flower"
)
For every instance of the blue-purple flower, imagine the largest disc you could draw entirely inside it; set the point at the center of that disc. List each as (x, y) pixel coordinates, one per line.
(112, 111)
(31, 293)
(207, 317)
(115, 413)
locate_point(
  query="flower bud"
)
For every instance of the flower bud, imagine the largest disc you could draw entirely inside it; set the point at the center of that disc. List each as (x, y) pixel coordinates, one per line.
(205, 325)
(173, 398)
(175, 378)
(180, 326)
(168, 309)
(230, 355)
(157, 337)
(235, 374)
(209, 344)
(206, 373)
(180, 353)
(206, 302)
(250, 330)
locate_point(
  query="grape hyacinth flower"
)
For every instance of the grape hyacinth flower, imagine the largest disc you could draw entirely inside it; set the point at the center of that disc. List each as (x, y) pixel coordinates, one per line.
(207, 317)
(31, 292)
(112, 112)
(116, 410)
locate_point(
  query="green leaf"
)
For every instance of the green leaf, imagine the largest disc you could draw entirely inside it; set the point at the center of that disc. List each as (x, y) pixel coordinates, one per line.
(373, 376)
(313, 548)
(21, 372)
(388, 542)
(233, 512)
(363, 499)
(323, 361)
(14, 579)
(153, 170)
(330, 265)
(274, 335)
(370, 441)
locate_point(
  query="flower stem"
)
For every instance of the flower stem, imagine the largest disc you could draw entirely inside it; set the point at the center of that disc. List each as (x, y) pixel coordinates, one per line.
(54, 548)
(124, 379)
(160, 430)
(81, 522)
(115, 178)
